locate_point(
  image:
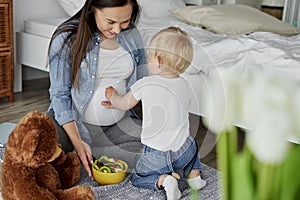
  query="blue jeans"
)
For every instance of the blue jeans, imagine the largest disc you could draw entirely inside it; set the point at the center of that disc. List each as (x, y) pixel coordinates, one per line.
(153, 163)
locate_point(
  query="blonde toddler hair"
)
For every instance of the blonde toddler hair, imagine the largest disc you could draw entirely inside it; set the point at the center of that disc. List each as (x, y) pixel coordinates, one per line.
(174, 49)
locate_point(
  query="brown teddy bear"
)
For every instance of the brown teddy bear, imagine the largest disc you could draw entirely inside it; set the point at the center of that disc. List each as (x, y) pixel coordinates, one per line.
(34, 167)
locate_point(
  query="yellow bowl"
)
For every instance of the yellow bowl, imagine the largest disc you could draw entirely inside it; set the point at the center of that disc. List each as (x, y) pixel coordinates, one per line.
(110, 178)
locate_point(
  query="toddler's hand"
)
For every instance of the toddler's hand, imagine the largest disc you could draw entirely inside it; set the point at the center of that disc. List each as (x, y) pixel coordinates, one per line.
(109, 92)
(106, 104)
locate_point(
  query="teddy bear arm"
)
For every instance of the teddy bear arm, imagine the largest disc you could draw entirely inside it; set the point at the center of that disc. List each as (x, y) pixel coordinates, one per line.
(48, 177)
(69, 170)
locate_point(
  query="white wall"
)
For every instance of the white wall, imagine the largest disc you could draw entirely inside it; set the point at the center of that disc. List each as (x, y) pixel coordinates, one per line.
(29, 9)
(277, 3)
(253, 3)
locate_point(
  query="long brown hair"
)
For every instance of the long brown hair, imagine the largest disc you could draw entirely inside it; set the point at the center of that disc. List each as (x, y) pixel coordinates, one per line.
(81, 28)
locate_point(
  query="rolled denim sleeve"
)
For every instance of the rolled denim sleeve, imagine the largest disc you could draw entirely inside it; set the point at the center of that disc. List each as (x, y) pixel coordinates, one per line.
(60, 80)
(142, 70)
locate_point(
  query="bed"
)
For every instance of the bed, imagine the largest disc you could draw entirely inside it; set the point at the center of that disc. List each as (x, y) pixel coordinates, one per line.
(32, 44)
(222, 38)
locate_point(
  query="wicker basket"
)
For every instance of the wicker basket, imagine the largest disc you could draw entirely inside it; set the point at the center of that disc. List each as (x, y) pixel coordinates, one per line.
(6, 49)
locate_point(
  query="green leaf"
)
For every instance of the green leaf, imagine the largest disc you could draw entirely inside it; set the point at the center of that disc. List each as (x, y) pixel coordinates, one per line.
(243, 177)
(226, 149)
(290, 185)
(266, 181)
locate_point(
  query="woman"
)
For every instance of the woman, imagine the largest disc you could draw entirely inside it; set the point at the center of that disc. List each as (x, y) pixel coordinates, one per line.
(97, 47)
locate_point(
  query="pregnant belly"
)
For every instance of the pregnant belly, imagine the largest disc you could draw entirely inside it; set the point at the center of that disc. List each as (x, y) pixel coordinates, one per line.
(97, 114)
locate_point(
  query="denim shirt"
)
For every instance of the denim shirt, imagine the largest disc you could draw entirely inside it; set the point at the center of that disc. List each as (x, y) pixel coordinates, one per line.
(68, 102)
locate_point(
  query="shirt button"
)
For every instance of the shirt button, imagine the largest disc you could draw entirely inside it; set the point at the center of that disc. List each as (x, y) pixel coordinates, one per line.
(81, 107)
(91, 91)
(93, 76)
(95, 58)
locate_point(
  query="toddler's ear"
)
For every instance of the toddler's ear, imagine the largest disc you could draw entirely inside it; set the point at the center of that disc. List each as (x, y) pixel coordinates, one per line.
(157, 61)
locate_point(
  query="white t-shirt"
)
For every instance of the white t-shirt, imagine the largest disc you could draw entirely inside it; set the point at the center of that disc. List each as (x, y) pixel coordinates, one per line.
(166, 103)
(114, 67)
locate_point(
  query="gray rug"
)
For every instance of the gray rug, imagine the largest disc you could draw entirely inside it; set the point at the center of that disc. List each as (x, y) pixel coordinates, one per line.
(126, 191)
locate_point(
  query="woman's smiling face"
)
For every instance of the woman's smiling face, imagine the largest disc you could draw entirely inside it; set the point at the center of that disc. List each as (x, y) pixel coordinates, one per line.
(111, 20)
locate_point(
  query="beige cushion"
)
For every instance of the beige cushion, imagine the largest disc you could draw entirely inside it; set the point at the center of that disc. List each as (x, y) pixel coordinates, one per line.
(233, 19)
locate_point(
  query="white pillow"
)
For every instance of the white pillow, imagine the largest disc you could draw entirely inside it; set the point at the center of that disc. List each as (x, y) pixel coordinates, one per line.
(71, 7)
(233, 19)
(159, 8)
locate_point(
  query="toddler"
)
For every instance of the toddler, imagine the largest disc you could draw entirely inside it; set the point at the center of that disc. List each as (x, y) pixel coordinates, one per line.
(169, 151)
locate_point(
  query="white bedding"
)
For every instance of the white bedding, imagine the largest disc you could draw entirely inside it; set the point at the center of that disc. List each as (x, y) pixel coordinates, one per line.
(245, 52)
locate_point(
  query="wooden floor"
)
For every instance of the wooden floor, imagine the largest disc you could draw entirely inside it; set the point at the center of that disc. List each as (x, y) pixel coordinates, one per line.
(35, 96)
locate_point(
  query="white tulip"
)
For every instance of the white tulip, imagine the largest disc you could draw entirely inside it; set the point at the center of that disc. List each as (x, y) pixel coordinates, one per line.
(268, 141)
(267, 112)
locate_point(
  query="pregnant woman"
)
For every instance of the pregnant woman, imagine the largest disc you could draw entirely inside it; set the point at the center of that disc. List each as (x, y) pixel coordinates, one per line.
(97, 47)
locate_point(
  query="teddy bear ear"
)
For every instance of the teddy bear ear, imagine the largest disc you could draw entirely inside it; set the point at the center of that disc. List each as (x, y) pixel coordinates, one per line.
(33, 141)
(22, 143)
(29, 145)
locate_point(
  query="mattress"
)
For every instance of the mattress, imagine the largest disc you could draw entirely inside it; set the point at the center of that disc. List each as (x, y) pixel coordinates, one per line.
(44, 27)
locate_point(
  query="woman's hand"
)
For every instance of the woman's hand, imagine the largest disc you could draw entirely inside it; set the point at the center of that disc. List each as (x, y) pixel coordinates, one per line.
(84, 153)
